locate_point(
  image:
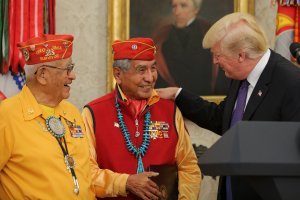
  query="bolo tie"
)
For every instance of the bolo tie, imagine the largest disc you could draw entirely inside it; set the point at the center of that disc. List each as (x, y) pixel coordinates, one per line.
(57, 129)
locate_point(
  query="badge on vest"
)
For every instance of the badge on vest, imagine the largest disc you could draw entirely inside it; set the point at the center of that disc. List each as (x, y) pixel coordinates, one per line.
(75, 130)
(116, 124)
(159, 130)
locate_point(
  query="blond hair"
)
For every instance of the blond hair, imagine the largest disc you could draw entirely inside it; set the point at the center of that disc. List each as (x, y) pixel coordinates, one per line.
(235, 32)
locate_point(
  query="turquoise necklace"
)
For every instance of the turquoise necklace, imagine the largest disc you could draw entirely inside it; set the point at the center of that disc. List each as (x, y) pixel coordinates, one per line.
(137, 152)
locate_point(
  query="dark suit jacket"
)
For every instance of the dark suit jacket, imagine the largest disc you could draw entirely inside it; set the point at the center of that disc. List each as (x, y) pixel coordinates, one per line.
(276, 97)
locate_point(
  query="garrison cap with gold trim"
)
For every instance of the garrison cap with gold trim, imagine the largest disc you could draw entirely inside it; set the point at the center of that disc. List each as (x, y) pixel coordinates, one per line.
(134, 49)
(46, 48)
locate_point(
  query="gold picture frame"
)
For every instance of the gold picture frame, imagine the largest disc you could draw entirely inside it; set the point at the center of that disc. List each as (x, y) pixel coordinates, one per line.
(118, 26)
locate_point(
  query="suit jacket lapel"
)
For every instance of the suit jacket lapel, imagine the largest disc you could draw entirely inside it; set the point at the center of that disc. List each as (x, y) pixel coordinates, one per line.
(256, 98)
(261, 88)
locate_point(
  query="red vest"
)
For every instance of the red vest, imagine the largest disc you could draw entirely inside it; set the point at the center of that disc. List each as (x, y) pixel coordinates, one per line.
(112, 152)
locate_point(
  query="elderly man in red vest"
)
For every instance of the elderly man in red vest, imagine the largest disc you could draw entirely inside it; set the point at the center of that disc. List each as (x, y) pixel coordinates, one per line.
(131, 130)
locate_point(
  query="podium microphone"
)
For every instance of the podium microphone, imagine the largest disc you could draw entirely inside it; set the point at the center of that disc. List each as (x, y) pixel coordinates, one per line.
(295, 51)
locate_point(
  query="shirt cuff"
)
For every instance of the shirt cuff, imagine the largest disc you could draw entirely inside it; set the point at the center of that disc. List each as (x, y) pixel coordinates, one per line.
(177, 93)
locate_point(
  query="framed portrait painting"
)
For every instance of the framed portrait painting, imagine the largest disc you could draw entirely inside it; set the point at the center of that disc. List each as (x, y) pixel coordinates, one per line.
(177, 28)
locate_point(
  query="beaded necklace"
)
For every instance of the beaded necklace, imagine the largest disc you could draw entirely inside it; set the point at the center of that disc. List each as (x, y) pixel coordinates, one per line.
(140, 151)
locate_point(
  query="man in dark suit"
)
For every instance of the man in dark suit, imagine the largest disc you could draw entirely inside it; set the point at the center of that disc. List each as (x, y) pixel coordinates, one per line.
(239, 46)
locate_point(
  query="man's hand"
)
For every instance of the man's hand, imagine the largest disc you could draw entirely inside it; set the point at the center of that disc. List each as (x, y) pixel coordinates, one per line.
(167, 93)
(141, 186)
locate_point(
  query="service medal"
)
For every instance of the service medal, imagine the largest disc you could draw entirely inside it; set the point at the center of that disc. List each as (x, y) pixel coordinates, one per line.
(55, 127)
(76, 131)
(159, 130)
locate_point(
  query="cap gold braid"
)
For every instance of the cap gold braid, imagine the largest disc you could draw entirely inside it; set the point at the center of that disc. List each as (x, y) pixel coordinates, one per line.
(71, 43)
(144, 51)
(133, 41)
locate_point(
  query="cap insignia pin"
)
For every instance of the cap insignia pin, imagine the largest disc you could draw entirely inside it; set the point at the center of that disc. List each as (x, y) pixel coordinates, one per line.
(50, 52)
(134, 47)
(26, 54)
(32, 47)
(65, 45)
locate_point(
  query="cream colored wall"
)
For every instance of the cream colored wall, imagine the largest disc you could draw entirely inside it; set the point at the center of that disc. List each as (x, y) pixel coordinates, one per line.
(86, 20)
(265, 12)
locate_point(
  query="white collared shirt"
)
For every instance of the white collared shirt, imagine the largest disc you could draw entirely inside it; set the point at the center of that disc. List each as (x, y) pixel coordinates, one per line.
(190, 21)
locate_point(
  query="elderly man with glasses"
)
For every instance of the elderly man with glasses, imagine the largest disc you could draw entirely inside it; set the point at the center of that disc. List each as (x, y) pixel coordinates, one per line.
(44, 153)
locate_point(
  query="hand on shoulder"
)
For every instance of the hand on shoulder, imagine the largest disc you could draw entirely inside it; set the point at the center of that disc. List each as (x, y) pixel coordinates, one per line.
(167, 93)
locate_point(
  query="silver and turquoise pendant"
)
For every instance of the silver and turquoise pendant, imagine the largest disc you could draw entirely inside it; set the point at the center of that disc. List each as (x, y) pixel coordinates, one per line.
(55, 127)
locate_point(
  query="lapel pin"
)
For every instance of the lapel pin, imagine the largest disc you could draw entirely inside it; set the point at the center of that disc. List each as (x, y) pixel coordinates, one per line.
(259, 93)
(30, 111)
(116, 124)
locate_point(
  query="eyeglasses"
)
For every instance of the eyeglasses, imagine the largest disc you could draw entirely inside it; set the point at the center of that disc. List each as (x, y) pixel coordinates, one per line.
(69, 68)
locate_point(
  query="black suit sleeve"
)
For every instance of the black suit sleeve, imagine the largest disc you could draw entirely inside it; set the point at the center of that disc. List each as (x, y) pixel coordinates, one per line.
(205, 114)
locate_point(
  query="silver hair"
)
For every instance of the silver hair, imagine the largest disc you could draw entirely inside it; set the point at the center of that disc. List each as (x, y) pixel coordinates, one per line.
(30, 71)
(123, 64)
